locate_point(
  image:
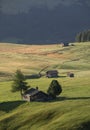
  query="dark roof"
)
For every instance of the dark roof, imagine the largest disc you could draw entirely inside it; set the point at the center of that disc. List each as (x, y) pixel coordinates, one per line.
(52, 71)
(40, 96)
(41, 92)
(36, 95)
(30, 91)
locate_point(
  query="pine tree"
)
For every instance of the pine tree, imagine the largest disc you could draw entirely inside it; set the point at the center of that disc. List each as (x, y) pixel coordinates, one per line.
(78, 37)
(19, 83)
(83, 36)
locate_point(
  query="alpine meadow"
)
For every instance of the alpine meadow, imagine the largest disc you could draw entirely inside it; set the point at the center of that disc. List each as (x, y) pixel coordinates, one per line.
(70, 110)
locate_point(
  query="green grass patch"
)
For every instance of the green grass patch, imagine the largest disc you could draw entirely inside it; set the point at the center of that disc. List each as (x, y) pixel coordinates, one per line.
(70, 111)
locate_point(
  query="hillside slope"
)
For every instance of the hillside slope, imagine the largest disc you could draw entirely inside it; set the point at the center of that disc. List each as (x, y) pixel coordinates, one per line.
(31, 59)
(70, 111)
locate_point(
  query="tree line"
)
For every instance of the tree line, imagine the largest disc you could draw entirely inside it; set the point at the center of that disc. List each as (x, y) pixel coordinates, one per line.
(83, 36)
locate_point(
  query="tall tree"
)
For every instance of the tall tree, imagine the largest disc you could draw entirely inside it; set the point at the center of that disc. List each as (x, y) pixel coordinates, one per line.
(83, 36)
(78, 37)
(19, 83)
(54, 89)
(0, 6)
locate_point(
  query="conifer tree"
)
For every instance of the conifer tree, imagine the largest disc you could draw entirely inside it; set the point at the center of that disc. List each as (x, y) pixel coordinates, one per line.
(19, 83)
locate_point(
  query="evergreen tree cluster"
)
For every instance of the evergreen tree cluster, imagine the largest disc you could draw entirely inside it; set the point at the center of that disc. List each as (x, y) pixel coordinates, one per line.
(83, 36)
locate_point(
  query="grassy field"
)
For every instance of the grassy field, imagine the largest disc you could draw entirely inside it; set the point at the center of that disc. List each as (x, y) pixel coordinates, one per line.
(32, 58)
(70, 111)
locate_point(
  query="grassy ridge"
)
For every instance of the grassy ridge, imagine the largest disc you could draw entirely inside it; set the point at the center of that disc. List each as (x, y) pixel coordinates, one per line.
(70, 111)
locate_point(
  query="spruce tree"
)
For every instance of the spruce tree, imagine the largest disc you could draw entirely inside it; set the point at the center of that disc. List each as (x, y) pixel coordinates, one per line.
(19, 83)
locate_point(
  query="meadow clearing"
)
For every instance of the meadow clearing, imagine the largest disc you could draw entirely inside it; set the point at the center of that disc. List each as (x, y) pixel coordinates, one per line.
(70, 111)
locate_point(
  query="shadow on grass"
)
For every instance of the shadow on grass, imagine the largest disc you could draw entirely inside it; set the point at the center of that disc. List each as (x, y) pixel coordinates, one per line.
(57, 77)
(69, 98)
(34, 76)
(62, 76)
(84, 126)
(10, 105)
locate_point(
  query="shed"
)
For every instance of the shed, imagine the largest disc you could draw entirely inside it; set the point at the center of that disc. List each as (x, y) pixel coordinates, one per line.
(52, 73)
(27, 94)
(40, 96)
(35, 95)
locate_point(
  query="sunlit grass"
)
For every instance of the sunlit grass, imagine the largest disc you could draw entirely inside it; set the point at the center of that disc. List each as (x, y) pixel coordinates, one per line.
(70, 111)
(32, 58)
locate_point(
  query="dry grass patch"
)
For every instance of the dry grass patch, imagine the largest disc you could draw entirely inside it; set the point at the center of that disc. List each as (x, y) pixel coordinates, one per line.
(32, 58)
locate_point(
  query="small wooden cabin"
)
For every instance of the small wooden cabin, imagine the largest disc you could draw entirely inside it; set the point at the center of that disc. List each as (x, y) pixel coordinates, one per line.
(52, 73)
(27, 94)
(35, 95)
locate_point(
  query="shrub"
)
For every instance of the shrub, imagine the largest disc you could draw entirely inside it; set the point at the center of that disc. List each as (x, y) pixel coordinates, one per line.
(54, 89)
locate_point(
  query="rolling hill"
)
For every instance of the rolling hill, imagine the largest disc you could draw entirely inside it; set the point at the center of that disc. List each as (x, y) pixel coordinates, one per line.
(70, 111)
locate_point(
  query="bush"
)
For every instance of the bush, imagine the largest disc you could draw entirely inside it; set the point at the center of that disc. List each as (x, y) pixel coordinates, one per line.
(54, 89)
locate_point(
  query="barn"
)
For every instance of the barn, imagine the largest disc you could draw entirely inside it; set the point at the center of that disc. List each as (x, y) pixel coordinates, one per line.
(52, 73)
(35, 95)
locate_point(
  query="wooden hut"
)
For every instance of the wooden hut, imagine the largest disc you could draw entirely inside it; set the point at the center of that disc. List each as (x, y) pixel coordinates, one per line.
(35, 95)
(52, 73)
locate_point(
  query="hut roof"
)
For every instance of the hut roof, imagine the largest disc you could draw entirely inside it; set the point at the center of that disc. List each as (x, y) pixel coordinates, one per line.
(31, 91)
(52, 71)
(35, 95)
(41, 93)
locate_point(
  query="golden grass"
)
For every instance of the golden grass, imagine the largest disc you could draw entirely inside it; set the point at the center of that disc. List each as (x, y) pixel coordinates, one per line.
(32, 58)
(70, 111)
